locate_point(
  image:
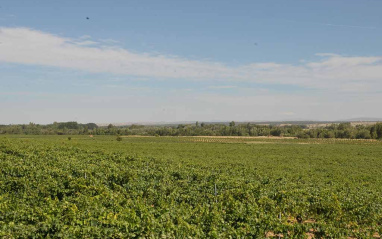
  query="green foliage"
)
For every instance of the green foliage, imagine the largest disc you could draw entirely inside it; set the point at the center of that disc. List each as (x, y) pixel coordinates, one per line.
(363, 134)
(303, 135)
(51, 187)
(276, 131)
(376, 131)
(342, 130)
(119, 138)
(68, 125)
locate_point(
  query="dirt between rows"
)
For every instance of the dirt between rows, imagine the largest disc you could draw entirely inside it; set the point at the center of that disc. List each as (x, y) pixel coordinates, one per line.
(308, 141)
(219, 137)
(243, 137)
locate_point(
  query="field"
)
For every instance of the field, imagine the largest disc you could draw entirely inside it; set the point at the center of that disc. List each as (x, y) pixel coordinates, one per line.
(189, 187)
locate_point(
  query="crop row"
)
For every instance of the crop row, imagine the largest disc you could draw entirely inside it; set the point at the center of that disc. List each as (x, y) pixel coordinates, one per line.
(68, 190)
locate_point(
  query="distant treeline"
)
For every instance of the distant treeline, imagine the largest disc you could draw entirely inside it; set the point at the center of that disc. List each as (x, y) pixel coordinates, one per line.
(341, 130)
(62, 128)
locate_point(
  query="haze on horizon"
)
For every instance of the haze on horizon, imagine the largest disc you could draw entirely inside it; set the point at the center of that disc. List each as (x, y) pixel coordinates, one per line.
(171, 61)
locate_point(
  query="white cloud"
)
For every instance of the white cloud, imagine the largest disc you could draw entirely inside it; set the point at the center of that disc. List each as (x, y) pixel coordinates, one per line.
(335, 72)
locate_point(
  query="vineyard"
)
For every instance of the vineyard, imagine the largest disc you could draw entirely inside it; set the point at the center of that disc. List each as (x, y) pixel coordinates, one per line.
(189, 187)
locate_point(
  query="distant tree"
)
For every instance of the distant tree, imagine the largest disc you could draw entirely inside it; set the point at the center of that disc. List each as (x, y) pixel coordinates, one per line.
(329, 134)
(197, 124)
(378, 130)
(181, 126)
(302, 135)
(232, 124)
(248, 128)
(348, 134)
(363, 134)
(68, 125)
(276, 131)
(91, 126)
(110, 126)
(343, 126)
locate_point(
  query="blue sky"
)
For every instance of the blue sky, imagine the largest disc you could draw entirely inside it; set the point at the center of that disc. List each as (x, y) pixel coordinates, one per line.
(145, 61)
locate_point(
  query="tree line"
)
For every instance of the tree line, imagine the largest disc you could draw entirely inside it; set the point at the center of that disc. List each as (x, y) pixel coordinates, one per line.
(341, 130)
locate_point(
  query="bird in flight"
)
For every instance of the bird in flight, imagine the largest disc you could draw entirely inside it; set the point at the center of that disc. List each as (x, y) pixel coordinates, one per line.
(87, 18)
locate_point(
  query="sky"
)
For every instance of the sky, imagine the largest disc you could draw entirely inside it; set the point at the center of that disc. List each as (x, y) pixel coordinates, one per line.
(171, 61)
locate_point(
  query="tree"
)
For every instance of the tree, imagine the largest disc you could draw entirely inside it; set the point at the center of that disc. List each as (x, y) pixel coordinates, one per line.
(303, 135)
(232, 124)
(343, 126)
(276, 131)
(68, 125)
(329, 134)
(181, 126)
(378, 130)
(363, 134)
(92, 126)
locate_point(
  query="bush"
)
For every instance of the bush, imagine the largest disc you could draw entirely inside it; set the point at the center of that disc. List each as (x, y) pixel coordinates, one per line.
(119, 138)
(69, 138)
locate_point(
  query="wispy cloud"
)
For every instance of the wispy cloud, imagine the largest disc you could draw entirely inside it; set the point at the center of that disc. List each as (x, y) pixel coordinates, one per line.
(334, 25)
(288, 113)
(109, 41)
(86, 43)
(222, 87)
(85, 37)
(351, 26)
(330, 71)
(327, 54)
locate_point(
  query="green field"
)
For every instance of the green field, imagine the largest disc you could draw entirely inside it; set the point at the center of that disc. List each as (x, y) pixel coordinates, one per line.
(189, 187)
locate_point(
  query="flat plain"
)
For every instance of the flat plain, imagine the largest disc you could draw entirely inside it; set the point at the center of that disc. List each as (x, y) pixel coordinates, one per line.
(189, 187)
